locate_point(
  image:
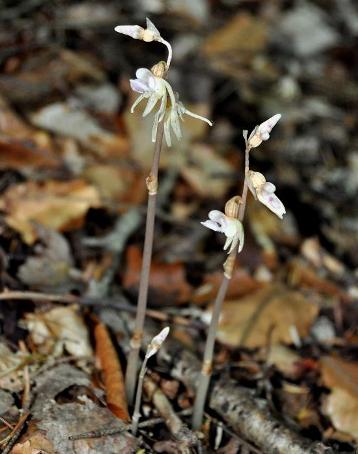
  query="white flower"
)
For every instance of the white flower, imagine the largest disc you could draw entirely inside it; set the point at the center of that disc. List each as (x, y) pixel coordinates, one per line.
(157, 89)
(149, 34)
(156, 342)
(265, 193)
(262, 132)
(231, 227)
(174, 117)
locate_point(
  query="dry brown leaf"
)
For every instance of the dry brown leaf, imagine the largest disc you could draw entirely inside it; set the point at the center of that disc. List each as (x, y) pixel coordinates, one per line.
(342, 403)
(235, 44)
(302, 275)
(243, 33)
(241, 284)
(34, 442)
(112, 373)
(58, 329)
(338, 373)
(116, 183)
(20, 154)
(167, 285)
(59, 205)
(250, 320)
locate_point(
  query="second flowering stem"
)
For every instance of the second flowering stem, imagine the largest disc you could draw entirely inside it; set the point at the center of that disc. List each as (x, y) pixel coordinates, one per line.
(206, 370)
(135, 345)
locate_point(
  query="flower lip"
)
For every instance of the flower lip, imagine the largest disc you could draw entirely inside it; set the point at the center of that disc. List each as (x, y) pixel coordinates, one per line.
(264, 191)
(231, 227)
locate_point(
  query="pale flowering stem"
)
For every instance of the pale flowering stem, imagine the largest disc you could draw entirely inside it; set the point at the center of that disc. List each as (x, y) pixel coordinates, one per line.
(138, 398)
(135, 344)
(206, 370)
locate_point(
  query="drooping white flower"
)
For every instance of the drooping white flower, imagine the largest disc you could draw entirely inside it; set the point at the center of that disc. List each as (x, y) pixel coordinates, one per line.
(156, 342)
(157, 89)
(149, 34)
(264, 191)
(262, 132)
(231, 227)
(175, 116)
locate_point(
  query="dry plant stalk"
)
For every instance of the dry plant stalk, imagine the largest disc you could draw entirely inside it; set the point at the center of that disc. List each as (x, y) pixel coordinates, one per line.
(230, 223)
(152, 86)
(112, 373)
(136, 341)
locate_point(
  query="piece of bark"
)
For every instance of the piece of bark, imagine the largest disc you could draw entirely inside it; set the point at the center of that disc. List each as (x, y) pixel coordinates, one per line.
(246, 414)
(251, 417)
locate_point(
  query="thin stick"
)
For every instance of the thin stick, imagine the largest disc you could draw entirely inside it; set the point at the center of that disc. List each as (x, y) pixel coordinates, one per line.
(205, 374)
(152, 185)
(138, 397)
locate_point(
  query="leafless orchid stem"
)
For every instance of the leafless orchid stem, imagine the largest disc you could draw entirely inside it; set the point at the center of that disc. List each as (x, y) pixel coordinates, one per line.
(206, 370)
(135, 345)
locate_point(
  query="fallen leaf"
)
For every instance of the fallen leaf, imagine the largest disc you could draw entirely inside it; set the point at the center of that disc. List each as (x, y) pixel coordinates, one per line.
(11, 369)
(342, 403)
(59, 205)
(115, 183)
(241, 284)
(167, 284)
(304, 276)
(250, 320)
(63, 119)
(112, 373)
(342, 408)
(58, 329)
(236, 43)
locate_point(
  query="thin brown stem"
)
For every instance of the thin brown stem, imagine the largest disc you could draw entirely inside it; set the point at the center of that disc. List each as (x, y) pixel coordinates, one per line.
(152, 185)
(205, 374)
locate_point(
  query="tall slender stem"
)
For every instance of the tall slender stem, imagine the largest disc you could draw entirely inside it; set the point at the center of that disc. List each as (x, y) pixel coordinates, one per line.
(206, 370)
(138, 398)
(152, 185)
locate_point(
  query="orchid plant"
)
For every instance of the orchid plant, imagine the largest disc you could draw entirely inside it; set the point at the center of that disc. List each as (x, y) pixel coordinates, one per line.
(230, 223)
(152, 349)
(169, 112)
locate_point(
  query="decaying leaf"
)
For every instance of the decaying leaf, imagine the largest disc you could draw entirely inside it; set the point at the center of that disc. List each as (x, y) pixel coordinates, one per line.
(63, 119)
(11, 368)
(342, 403)
(271, 311)
(167, 284)
(59, 205)
(60, 328)
(112, 373)
(115, 183)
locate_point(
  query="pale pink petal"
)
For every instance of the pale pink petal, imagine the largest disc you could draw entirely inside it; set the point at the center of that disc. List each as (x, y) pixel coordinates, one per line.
(272, 202)
(266, 127)
(144, 74)
(138, 86)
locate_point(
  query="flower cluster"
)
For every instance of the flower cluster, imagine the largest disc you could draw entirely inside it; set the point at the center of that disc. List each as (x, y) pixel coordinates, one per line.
(155, 88)
(231, 227)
